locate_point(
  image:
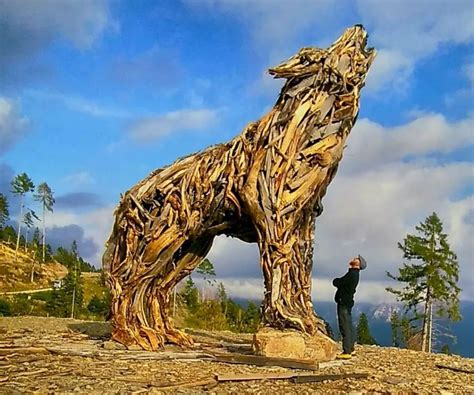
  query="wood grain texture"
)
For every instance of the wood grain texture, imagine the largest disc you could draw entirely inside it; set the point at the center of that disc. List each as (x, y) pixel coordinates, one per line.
(264, 186)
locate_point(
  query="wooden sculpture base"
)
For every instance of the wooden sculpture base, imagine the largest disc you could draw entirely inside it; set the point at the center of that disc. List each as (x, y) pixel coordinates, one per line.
(294, 344)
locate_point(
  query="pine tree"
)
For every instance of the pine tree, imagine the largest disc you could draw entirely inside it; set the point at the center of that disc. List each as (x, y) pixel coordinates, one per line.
(8, 233)
(44, 195)
(445, 350)
(363, 331)
(222, 297)
(4, 213)
(395, 329)
(28, 221)
(21, 185)
(75, 283)
(206, 269)
(431, 281)
(190, 295)
(251, 318)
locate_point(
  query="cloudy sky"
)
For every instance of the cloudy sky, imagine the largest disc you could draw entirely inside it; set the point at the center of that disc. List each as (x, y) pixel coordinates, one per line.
(95, 94)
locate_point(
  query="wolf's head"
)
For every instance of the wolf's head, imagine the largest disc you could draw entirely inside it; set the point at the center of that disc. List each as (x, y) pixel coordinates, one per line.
(348, 57)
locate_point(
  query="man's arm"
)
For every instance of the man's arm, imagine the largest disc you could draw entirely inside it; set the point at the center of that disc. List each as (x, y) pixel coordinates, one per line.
(339, 282)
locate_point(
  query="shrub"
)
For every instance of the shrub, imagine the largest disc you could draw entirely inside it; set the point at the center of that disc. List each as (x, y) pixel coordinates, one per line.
(5, 308)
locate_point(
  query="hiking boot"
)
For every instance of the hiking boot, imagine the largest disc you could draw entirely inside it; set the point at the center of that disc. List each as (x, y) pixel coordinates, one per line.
(344, 356)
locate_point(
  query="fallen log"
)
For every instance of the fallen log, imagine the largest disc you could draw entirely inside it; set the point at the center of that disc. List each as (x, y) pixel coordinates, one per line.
(455, 369)
(327, 377)
(255, 376)
(257, 360)
(298, 378)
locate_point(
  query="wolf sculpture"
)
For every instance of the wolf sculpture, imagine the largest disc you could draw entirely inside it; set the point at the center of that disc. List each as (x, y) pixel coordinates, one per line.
(264, 186)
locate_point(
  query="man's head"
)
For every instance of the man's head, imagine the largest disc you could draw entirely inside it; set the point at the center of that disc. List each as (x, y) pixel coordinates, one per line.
(358, 262)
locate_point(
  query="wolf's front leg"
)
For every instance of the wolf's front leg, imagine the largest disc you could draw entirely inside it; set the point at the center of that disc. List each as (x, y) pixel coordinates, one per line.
(287, 269)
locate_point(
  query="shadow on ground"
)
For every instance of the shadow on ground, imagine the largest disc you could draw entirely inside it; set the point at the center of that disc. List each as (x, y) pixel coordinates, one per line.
(95, 330)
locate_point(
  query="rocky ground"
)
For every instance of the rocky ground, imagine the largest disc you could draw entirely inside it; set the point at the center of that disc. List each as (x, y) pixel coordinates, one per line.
(51, 355)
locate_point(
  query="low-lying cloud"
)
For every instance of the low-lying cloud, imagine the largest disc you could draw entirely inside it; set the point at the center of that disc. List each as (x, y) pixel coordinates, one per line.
(153, 128)
(13, 126)
(78, 200)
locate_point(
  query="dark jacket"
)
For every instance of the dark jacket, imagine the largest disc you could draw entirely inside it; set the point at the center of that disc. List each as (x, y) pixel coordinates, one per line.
(346, 287)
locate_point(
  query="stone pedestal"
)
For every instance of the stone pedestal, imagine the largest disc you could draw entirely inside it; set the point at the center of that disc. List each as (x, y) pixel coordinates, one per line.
(292, 344)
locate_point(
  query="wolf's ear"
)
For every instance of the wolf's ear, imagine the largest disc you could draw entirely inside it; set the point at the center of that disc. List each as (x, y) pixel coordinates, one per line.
(302, 63)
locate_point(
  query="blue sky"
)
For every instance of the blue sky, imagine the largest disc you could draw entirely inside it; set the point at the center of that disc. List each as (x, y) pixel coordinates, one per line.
(96, 94)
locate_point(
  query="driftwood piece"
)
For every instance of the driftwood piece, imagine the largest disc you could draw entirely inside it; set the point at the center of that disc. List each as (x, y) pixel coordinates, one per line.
(255, 376)
(297, 378)
(326, 377)
(23, 350)
(454, 369)
(257, 360)
(264, 186)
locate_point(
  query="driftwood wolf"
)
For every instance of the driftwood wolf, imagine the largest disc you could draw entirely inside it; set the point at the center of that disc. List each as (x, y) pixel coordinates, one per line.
(264, 186)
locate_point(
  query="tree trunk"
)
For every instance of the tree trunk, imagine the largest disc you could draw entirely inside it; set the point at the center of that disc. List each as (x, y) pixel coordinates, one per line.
(27, 232)
(33, 268)
(44, 234)
(74, 289)
(430, 327)
(19, 227)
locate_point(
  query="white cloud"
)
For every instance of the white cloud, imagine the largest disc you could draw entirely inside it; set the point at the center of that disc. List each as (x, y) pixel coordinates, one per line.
(322, 289)
(29, 27)
(390, 66)
(273, 22)
(427, 25)
(81, 22)
(80, 104)
(371, 144)
(277, 27)
(152, 128)
(469, 71)
(13, 125)
(79, 179)
(97, 225)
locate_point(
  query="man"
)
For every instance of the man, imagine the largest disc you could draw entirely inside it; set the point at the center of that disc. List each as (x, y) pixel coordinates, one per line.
(346, 288)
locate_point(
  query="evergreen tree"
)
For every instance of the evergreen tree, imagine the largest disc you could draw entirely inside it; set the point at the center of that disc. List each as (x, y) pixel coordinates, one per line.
(251, 318)
(190, 295)
(363, 331)
(21, 185)
(44, 195)
(395, 328)
(8, 233)
(222, 297)
(431, 281)
(4, 213)
(206, 269)
(28, 221)
(99, 306)
(76, 288)
(36, 236)
(65, 257)
(445, 350)
(67, 301)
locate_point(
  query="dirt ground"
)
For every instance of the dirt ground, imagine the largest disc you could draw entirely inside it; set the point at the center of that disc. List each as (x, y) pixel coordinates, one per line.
(52, 355)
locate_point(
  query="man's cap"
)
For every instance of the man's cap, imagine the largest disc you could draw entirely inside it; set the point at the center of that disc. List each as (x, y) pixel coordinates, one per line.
(363, 262)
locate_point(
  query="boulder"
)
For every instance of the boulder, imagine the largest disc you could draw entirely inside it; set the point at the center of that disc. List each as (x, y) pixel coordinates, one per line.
(293, 344)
